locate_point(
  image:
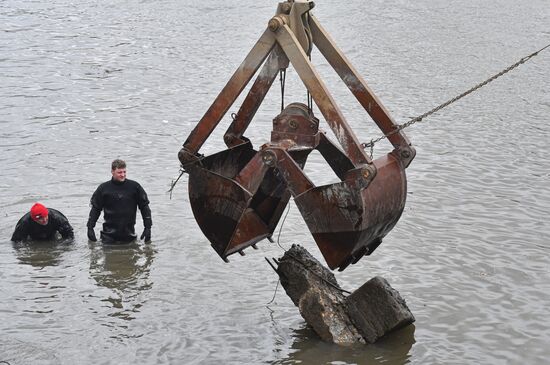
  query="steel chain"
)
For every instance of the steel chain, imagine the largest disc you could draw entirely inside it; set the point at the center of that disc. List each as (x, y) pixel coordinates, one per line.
(402, 126)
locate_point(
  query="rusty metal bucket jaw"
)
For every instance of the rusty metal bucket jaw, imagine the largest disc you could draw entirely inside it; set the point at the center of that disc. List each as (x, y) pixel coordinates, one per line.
(347, 219)
(237, 197)
(221, 189)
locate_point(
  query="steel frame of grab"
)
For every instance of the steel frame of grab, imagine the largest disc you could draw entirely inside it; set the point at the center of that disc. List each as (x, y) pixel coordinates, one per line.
(238, 195)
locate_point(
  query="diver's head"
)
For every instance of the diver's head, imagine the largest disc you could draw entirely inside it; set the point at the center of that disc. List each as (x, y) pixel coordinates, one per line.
(118, 170)
(39, 214)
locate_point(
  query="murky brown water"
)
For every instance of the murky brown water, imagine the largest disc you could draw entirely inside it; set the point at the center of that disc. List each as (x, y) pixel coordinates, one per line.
(82, 83)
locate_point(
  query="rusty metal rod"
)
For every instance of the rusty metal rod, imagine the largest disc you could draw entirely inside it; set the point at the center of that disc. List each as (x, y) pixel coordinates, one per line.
(255, 96)
(321, 96)
(355, 83)
(230, 92)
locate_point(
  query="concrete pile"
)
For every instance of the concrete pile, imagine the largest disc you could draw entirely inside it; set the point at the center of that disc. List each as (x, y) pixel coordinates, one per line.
(363, 316)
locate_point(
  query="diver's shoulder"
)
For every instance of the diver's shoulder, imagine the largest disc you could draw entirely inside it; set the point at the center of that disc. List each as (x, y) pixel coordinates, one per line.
(132, 182)
(56, 212)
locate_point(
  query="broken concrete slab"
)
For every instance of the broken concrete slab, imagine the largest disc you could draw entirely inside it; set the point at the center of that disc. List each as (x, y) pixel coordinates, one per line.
(314, 290)
(376, 309)
(364, 316)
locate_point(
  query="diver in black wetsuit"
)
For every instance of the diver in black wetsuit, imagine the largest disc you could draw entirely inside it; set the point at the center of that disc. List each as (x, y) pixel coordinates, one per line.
(119, 199)
(42, 223)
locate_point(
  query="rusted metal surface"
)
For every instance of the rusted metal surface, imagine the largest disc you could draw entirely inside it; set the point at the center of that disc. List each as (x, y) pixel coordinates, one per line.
(297, 126)
(322, 97)
(230, 92)
(275, 62)
(238, 195)
(348, 221)
(360, 90)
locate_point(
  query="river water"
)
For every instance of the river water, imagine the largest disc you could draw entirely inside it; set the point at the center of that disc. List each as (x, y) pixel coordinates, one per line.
(82, 83)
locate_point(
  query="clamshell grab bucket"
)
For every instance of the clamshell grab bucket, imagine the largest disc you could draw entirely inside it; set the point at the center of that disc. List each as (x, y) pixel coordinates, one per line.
(347, 219)
(239, 194)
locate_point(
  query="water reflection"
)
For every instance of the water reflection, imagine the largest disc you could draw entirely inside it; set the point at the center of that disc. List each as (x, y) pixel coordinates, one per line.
(124, 269)
(393, 349)
(41, 253)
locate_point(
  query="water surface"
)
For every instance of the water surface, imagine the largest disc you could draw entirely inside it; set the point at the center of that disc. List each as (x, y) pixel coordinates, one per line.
(83, 83)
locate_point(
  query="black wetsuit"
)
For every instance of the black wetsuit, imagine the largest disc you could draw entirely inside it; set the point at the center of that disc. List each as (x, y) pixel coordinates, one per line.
(119, 202)
(57, 222)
